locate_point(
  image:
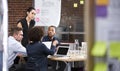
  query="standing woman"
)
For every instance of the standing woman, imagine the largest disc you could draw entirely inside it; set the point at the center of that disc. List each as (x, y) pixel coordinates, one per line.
(27, 23)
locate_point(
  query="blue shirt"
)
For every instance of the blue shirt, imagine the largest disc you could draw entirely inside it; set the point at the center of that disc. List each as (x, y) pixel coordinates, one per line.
(14, 47)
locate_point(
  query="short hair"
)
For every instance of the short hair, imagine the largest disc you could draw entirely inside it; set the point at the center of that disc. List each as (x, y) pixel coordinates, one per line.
(15, 30)
(51, 26)
(35, 34)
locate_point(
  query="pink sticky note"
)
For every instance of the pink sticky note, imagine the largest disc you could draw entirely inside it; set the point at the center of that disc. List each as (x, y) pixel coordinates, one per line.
(37, 11)
(37, 19)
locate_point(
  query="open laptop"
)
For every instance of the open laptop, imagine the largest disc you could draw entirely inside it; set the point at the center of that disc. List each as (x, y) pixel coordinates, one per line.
(62, 51)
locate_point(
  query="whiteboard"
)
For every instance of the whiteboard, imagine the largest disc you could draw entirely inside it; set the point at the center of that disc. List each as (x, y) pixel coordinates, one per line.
(48, 12)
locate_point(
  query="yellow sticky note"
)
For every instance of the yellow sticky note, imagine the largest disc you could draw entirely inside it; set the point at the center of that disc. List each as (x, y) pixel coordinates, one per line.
(114, 49)
(102, 2)
(75, 5)
(100, 67)
(99, 49)
(81, 2)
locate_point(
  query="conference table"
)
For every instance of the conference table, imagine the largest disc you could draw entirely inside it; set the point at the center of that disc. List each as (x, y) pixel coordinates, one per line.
(68, 59)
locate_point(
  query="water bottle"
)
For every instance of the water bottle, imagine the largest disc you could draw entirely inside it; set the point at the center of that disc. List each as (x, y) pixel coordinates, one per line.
(76, 44)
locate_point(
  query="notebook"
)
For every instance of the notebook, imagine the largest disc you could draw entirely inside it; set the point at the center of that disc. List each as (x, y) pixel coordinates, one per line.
(62, 51)
(48, 44)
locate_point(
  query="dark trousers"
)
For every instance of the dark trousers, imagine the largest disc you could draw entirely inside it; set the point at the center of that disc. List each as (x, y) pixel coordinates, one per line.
(17, 67)
(61, 66)
(57, 65)
(52, 64)
(18, 64)
(16, 61)
(12, 68)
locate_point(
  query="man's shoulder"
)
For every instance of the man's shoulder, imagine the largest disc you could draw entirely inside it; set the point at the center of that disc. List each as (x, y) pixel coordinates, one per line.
(13, 42)
(55, 38)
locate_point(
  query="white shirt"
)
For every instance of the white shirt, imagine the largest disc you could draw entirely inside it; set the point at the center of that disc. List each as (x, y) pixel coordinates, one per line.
(14, 47)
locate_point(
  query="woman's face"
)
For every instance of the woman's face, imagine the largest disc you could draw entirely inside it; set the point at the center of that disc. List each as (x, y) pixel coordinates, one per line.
(31, 14)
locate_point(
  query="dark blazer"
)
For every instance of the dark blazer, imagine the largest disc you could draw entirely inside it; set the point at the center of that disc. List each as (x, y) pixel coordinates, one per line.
(37, 56)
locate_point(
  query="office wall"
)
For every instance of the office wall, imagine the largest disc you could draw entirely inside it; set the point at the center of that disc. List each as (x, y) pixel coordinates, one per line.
(70, 16)
(16, 10)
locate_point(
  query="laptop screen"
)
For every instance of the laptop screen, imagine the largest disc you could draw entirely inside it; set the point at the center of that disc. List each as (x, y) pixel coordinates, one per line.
(62, 50)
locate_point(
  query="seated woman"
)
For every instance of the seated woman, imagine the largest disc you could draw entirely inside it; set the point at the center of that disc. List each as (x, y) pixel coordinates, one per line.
(37, 52)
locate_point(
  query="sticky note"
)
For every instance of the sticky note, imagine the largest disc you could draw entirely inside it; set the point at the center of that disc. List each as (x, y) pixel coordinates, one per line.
(37, 11)
(75, 5)
(114, 49)
(81, 2)
(100, 67)
(101, 11)
(99, 49)
(37, 19)
(102, 2)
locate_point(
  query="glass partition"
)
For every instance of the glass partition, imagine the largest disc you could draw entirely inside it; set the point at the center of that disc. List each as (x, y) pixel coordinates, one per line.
(3, 34)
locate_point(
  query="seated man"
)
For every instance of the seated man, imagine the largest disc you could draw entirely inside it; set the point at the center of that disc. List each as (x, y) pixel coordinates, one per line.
(14, 45)
(55, 42)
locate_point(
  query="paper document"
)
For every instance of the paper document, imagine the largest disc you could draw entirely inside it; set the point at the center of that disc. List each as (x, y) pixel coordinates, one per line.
(48, 44)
